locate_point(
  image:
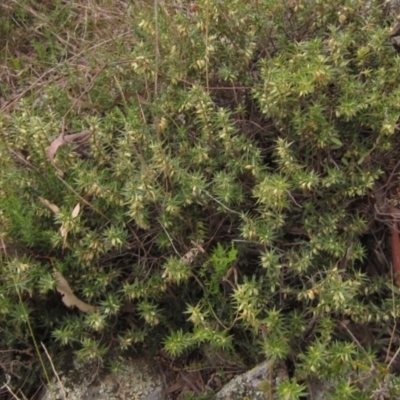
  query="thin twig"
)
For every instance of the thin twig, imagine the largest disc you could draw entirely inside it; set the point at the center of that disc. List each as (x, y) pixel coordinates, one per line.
(221, 204)
(55, 372)
(11, 391)
(170, 240)
(393, 330)
(355, 340)
(393, 358)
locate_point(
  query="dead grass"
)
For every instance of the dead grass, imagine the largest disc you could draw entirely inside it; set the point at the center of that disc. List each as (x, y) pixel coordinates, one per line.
(59, 42)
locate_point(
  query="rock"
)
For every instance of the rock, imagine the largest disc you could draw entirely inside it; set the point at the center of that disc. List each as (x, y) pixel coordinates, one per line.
(137, 380)
(253, 384)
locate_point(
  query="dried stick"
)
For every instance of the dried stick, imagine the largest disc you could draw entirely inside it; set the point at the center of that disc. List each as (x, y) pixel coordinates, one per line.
(396, 253)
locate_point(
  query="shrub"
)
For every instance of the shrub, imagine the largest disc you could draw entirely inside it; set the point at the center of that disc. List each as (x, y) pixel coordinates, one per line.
(217, 192)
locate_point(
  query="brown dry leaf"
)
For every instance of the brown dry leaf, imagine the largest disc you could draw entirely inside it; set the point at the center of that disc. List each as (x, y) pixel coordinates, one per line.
(52, 149)
(68, 297)
(75, 211)
(61, 140)
(78, 138)
(47, 203)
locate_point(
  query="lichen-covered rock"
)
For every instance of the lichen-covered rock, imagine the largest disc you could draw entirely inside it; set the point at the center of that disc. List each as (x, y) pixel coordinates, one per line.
(260, 384)
(137, 380)
(251, 385)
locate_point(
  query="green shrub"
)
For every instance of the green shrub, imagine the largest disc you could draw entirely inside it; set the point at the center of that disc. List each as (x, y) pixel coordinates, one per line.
(221, 199)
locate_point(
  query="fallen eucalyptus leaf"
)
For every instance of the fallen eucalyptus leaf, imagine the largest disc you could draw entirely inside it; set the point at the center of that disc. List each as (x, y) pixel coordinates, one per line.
(47, 203)
(68, 297)
(61, 140)
(75, 211)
